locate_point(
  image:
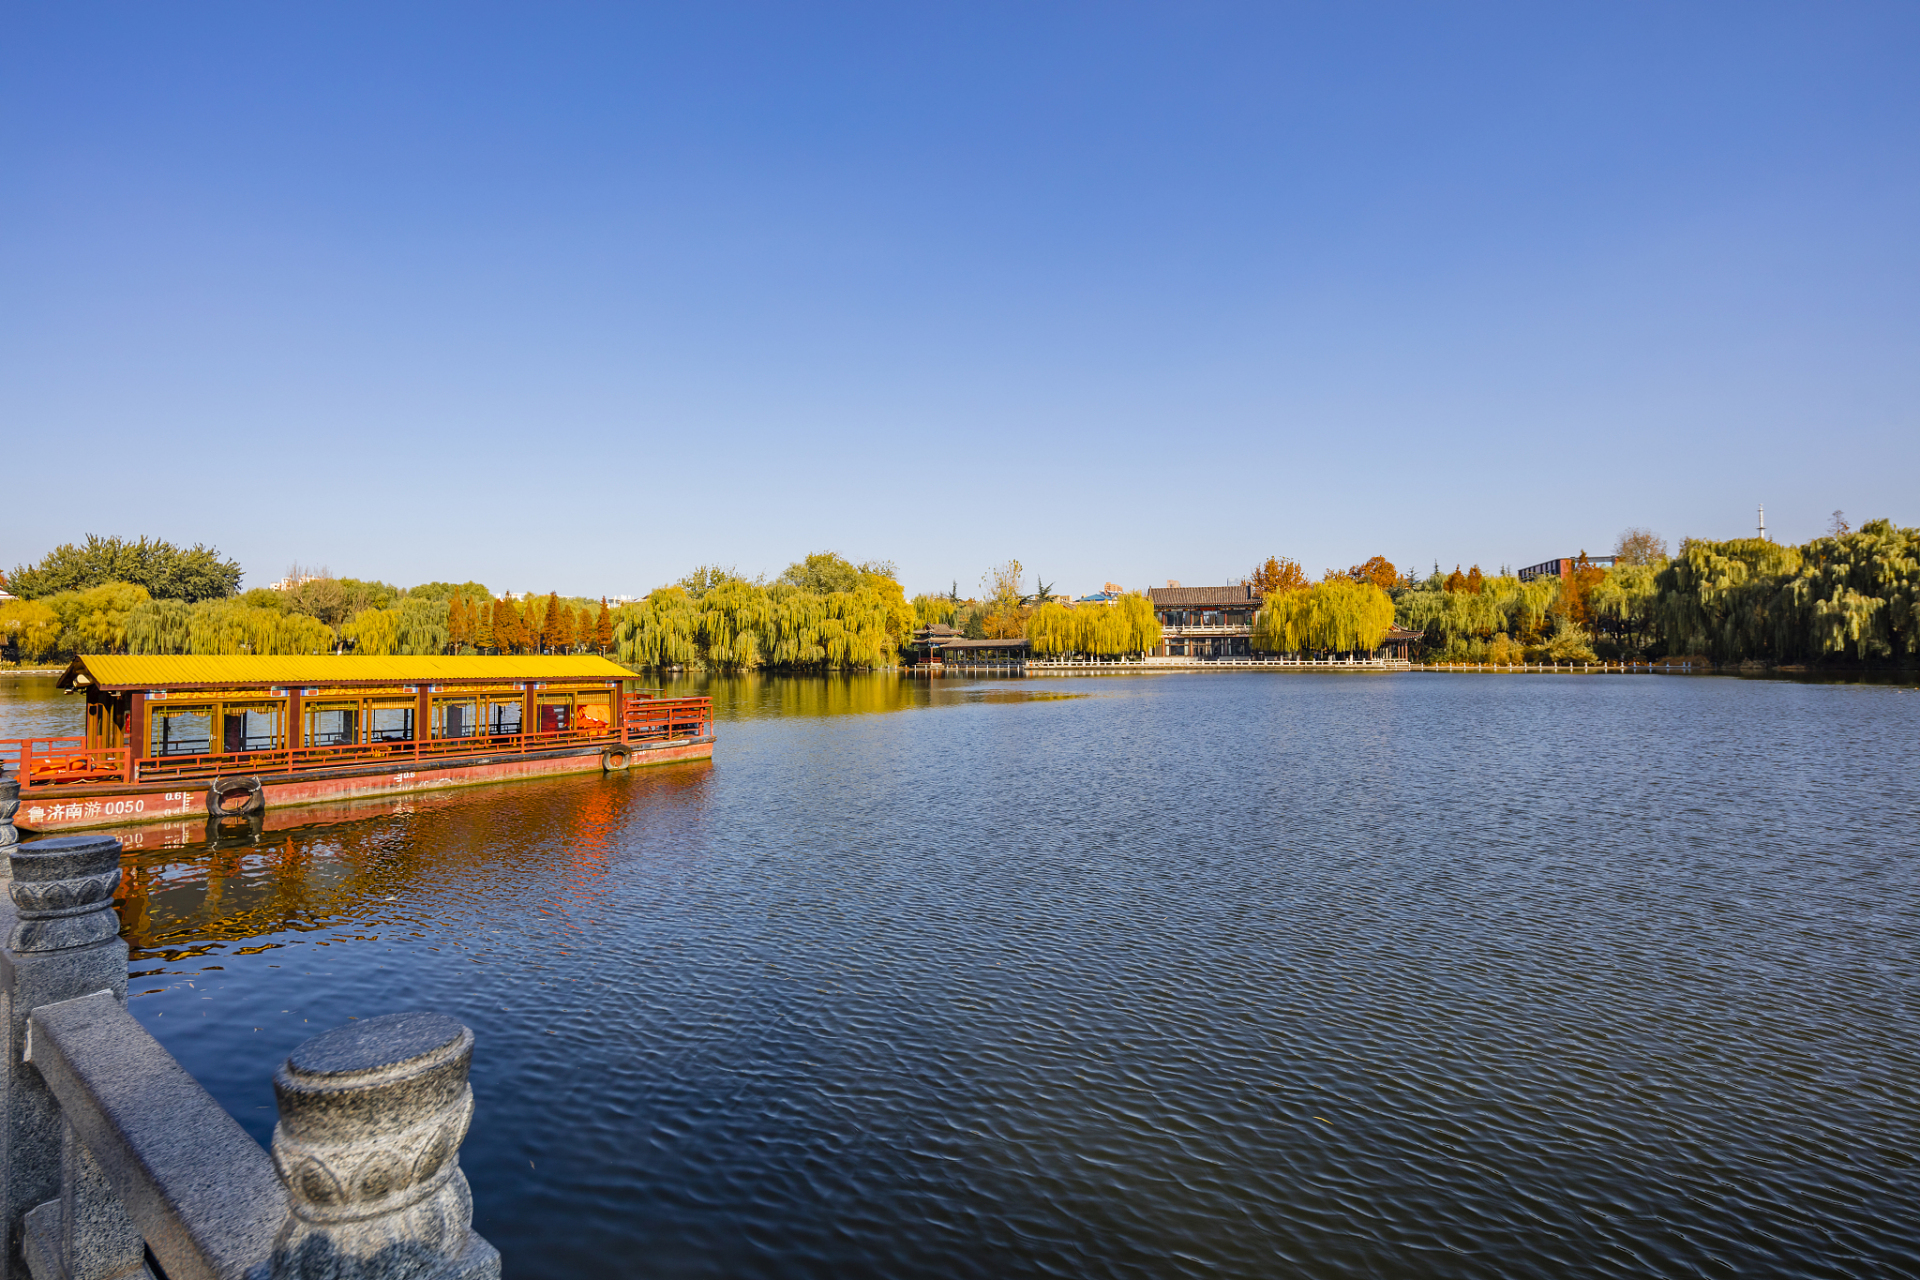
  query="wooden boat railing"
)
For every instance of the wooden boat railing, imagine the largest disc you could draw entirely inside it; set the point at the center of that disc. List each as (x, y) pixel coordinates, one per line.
(40, 763)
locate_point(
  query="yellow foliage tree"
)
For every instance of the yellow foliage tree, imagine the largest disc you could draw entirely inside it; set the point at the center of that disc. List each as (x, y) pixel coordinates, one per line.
(1339, 615)
(32, 626)
(1125, 626)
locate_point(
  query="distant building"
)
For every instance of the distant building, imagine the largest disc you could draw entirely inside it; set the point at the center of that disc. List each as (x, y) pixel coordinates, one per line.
(1562, 567)
(288, 584)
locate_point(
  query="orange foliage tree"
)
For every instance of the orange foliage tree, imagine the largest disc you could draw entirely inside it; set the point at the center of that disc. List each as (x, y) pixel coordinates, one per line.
(1278, 574)
(603, 629)
(1379, 571)
(509, 627)
(1576, 590)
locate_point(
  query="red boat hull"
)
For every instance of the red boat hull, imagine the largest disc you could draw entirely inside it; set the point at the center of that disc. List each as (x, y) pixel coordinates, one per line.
(118, 804)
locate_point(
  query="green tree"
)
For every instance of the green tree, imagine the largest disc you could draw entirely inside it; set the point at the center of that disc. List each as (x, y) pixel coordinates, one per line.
(167, 572)
(822, 573)
(706, 578)
(95, 620)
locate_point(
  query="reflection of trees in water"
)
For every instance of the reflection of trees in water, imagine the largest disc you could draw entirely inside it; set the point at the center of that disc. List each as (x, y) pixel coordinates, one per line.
(531, 849)
(837, 695)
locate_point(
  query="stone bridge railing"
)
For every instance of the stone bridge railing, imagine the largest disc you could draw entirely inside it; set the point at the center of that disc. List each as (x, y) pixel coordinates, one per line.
(114, 1162)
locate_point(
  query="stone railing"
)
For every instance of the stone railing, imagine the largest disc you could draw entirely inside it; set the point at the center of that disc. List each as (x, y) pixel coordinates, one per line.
(112, 1157)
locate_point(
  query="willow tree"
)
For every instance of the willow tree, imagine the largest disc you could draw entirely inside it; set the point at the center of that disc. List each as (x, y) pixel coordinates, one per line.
(660, 631)
(1143, 624)
(1102, 630)
(159, 627)
(1724, 598)
(1853, 594)
(1054, 629)
(33, 628)
(1458, 624)
(1338, 615)
(1625, 602)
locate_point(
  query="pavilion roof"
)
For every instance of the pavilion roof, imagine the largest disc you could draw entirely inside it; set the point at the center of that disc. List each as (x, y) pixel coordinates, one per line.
(1237, 596)
(120, 671)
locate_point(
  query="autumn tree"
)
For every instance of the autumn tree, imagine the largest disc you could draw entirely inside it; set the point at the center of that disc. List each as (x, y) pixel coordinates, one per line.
(1576, 590)
(1476, 581)
(552, 620)
(1640, 546)
(457, 624)
(1278, 574)
(1005, 617)
(603, 628)
(1456, 581)
(1380, 572)
(509, 627)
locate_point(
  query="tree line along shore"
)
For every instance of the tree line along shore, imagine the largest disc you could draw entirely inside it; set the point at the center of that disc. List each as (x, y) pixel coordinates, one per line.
(1851, 597)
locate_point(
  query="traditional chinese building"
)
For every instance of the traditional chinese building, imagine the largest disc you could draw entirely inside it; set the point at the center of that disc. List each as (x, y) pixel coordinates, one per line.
(1205, 622)
(1217, 622)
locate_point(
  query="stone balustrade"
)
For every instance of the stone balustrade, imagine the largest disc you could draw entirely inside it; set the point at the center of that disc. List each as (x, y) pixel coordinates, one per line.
(112, 1155)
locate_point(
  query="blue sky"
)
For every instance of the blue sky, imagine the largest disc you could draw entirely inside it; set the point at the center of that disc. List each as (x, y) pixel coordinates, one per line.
(578, 297)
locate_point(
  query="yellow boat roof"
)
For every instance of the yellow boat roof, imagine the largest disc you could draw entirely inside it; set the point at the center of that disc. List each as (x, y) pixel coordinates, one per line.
(115, 671)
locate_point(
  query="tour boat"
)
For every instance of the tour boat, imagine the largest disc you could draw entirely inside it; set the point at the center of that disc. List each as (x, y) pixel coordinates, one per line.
(169, 737)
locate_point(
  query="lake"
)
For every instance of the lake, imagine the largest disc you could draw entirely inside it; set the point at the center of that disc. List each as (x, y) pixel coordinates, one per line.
(1214, 974)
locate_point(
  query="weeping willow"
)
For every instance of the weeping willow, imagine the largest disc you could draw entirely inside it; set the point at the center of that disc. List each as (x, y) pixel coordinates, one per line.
(1459, 624)
(1124, 626)
(412, 627)
(1338, 616)
(215, 627)
(739, 626)
(1855, 595)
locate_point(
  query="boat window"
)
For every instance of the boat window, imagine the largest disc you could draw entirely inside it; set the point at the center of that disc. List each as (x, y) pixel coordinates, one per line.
(182, 731)
(251, 726)
(390, 722)
(593, 711)
(455, 717)
(332, 724)
(556, 713)
(504, 717)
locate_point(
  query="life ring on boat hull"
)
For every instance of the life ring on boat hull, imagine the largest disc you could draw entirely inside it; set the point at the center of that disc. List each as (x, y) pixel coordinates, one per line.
(236, 797)
(614, 759)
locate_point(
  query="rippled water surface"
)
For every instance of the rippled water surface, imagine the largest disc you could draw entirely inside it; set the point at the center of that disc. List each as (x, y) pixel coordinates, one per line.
(1242, 974)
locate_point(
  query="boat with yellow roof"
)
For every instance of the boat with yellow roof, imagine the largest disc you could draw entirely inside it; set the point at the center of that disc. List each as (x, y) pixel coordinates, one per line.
(170, 737)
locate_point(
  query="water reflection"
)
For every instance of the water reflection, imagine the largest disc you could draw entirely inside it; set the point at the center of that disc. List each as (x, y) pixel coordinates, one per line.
(205, 888)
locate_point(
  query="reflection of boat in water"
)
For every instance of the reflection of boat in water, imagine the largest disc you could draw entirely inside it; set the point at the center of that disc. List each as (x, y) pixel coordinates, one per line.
(173, 740)
(453, 863)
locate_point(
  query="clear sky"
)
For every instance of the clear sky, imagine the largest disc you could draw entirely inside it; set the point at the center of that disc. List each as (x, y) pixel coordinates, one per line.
(579, 297)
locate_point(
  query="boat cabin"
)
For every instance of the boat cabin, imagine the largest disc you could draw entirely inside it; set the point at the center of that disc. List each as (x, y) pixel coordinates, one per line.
(152, 719)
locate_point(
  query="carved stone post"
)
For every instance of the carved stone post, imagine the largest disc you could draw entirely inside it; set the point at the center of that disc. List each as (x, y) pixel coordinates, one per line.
(371, 1119)
(59, 939)
(9, 805)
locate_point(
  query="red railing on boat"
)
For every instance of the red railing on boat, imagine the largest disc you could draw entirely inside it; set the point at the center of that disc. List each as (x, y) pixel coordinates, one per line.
(49, 762)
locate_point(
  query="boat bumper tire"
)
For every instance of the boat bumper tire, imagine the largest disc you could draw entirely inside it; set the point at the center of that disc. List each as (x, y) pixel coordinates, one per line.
(614, 759)
(236, 797)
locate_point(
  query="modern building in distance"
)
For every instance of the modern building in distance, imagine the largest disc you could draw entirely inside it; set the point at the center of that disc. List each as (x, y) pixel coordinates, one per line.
(1562, 567)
